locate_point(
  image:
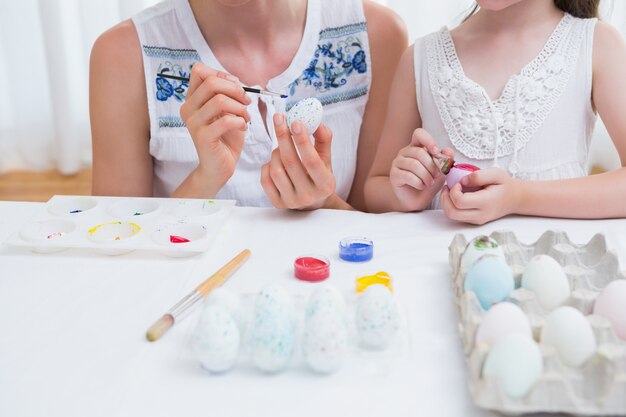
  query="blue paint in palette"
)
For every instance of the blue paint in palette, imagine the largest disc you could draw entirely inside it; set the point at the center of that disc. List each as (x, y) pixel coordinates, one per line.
(356, 249)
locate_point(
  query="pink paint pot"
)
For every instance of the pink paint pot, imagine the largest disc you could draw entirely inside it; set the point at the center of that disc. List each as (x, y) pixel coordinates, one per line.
(459, 171)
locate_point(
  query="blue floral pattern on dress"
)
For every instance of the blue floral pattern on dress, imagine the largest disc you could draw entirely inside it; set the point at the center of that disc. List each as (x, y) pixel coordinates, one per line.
(167, 88)
(332, 64)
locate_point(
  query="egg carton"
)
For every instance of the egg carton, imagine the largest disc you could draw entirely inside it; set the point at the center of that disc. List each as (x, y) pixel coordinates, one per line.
(119, 225)
(596, 388)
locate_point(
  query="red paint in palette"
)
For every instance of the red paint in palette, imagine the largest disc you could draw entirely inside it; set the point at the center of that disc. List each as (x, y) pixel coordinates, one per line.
(178, 239)
(311, 268)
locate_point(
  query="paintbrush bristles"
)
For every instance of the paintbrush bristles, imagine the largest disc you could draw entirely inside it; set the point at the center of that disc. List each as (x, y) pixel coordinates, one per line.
(159, 328)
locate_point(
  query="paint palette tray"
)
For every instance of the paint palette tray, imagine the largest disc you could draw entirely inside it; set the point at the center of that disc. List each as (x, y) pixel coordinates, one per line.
(598, 387)
(119, 225)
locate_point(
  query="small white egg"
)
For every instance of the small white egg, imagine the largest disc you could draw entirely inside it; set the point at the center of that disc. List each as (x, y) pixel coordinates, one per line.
(611, 304)
(516, 363)
(273, 332)
(477, 247)
(229, 300)
(544, 276)
(491, 279)
(377, 318)
(326, 296)
(308, 111)
(500, 321)
(216, 339)
(325, 340)
(569, 332)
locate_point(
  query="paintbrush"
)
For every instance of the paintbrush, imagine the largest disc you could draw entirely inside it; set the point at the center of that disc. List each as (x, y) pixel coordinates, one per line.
(248, 89)
(162, 325)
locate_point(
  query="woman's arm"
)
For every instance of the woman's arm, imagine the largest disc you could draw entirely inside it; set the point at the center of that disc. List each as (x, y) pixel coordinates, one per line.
(120, 125)
(590, 197)
(388, 40)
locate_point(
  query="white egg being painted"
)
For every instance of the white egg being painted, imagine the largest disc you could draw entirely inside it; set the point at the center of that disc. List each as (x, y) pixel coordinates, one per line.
(377, 318)
(569, 332)
(273, 332)
(216, 339)
(544, 276)
(516, 363)
(477, 247)
(325, 341)
(308, 111)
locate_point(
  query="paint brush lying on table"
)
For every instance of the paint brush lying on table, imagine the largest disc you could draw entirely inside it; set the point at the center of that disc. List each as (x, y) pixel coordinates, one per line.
(248, 89)
(162, 325)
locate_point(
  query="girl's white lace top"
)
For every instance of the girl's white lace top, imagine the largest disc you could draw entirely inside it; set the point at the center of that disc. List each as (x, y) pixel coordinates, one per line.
(541, 125)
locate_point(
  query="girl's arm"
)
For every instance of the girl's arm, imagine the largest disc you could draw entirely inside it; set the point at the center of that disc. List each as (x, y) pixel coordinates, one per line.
(120, 125)
(403, 176)
(590, 197)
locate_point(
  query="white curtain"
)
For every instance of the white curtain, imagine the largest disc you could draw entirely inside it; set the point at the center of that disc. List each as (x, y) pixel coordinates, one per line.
(44, 61)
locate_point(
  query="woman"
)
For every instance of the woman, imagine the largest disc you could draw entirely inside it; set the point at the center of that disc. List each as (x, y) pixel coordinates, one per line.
(205, 138)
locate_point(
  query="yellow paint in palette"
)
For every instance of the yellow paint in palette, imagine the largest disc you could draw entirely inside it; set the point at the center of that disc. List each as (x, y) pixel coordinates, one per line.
(134, 229)
(378, 278)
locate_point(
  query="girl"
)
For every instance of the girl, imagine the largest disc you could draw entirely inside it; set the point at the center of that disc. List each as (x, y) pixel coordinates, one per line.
(514, 90)
(199, 135)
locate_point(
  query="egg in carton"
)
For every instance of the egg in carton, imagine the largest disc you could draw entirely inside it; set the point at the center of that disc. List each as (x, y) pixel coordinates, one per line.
(597, 387)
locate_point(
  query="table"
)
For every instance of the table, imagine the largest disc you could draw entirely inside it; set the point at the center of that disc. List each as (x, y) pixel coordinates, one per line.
(72, 324)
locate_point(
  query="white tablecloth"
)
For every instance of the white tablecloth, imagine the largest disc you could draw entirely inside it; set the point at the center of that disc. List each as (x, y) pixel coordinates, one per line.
(72, 324)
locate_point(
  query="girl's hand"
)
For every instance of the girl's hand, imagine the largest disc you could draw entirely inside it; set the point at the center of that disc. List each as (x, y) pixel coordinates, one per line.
(216, 115)
(500, 195)
(299, 182)
(414, 170)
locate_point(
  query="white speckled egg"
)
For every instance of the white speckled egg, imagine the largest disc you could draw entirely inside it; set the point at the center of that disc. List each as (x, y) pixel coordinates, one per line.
(308, 111)
(326, 296)
(216, 339)
(477, 247)
(377, 318)
(273, 332)
(491, 279)
(569, 332)
(500, 321)
(325, 340)
(544, 276)
(611, 304)
(516, 363)
(229, 300)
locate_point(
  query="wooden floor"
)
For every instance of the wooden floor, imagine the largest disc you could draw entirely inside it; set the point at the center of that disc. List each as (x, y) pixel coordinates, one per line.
(40, 186)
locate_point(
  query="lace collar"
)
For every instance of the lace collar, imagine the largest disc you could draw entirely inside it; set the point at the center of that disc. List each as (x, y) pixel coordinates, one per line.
(481, 128)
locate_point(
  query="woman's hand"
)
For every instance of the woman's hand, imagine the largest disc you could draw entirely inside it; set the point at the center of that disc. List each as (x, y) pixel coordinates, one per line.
(414, 170)
(499, 196)
(300, 182)
(216, 115)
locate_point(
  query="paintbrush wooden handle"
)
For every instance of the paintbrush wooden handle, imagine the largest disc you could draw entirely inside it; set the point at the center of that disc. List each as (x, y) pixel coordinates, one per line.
(223, 273)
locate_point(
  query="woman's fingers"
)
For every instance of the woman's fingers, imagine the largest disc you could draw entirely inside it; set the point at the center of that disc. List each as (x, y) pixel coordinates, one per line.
(210, 87)
(312, 161)
(323, 143)
(270, 189)
(221, 105)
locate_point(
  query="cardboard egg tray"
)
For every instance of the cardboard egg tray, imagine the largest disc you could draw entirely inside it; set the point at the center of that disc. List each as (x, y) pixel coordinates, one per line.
(118, 225)
(596, 388)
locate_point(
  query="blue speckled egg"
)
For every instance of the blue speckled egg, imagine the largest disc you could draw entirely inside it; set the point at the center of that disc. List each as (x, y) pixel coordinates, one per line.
(216, 339)
(326, 296)
(377, 318)
(308, 111)
(325, 340)
(273, 332)
(491, 279)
